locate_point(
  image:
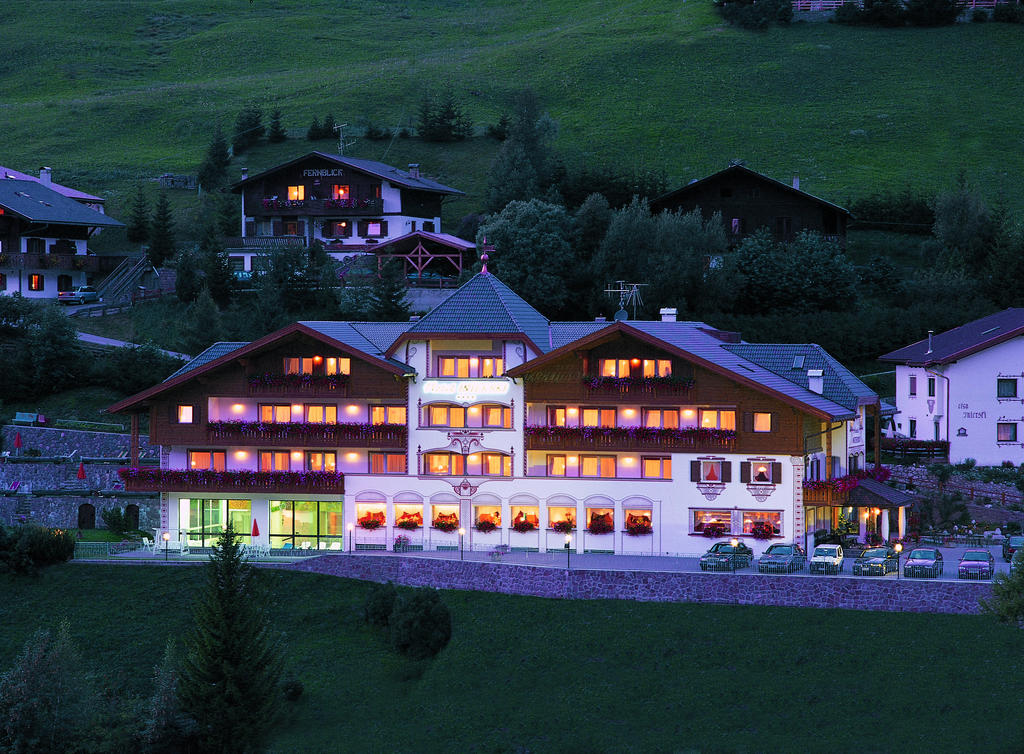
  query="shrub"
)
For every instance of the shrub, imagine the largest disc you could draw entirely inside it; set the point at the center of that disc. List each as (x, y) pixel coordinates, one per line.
(421, 624)
(373, 133)
(848, 13)
(380, 601)
(292, 690)
(756, 14)
(32, 546)
(1008, 13)
(114, 519)
(933, 12)
(1011, 528)
(979, 16)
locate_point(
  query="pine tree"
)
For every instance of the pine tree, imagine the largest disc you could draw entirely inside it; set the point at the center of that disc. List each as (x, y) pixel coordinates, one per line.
(214, 168)
(216, 267)
(203, 325)
(161, 235)
(187, 281)
(327, 132)
(166, 725)
(315, 132)
(231, 674)
(388, 293)
(248, 127)
(277, 133)
(138, 218)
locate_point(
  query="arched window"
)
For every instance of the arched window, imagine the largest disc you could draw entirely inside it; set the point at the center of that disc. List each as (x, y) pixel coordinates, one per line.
(131, 517)
(86, 516)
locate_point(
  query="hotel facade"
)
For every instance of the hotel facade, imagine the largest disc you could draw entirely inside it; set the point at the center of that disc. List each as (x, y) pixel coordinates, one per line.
(483, 424)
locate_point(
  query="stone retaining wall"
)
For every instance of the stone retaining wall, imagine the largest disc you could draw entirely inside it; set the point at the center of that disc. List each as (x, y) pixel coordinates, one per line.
(60, 442)
(654, 586)
(62, 511)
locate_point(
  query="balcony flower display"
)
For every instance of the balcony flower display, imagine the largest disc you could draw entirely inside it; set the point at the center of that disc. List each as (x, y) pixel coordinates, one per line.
(205, 479)
(447, 522)
(601, 523)
(410, 521)
(564, 527)
(638, 524)
(686, 435)
(257, 430)
(638, 384)
(297, 381)
(848, 482)
(372, 520)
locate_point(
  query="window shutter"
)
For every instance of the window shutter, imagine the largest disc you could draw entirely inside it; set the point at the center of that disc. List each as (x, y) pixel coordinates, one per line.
(694, 471)
(362, 227)
(277, 228)
(748, 421)
(745, 472)
(835, 466)
(250, 227)
(300, 227)
(383, 227)
(773, 426)
(726, 471)
(776, 473)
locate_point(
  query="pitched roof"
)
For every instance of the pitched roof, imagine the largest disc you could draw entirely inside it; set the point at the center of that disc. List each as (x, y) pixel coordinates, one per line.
(215, 351)
(349, 334)
(379, 169)
(484, 305)
(40, 204)
(64, 190)
(676, 193)
(870, 493)
(961, 341)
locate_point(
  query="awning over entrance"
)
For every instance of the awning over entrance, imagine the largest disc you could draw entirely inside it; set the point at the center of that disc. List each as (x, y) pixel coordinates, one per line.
(870, 493)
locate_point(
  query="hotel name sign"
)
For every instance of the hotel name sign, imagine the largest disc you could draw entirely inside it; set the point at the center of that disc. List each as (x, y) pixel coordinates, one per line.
(322, 172)
(467, 391)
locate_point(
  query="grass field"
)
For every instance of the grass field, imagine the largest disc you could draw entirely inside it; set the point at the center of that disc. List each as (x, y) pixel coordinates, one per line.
(528, 674)
(109, 93)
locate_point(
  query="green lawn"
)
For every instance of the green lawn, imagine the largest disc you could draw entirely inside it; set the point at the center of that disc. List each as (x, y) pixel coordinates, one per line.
(81, 404)
(110, 93)
(527, 674)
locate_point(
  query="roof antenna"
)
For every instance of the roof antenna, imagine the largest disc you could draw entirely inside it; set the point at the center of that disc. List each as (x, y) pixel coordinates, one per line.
(930, 334)
(485, 257)
(340, 128)
(629, 293)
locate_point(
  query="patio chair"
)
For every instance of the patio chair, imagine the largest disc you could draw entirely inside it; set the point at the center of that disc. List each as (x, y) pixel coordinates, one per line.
(287, 546)
(148, 545)
(335, 546)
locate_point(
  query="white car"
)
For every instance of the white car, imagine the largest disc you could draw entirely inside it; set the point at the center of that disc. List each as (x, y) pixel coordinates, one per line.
(827, 559)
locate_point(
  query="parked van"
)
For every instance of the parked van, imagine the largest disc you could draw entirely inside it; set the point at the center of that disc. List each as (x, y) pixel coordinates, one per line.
(827, 559)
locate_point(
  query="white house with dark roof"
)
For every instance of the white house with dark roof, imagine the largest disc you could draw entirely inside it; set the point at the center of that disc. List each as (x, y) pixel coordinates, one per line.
(966, 385)
(485, 417)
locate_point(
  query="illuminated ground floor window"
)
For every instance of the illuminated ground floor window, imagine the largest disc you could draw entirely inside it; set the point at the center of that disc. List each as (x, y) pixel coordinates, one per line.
(306, 524)
(205, 519)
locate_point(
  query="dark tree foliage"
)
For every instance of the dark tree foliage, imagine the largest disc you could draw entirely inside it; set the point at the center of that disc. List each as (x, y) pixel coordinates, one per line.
(617, 187)
(276, 134)
(162, 245)
(442, 118)
(328, 132)
(526, 165)
(420, 624)
(188, 280)
(388, 299)
(230, 676)
(215, 266)
(137, 229)
(248, 127)
(755, 14)
(380, 601)
(499, 130)
(203, 325)
(904, 212)
(316, 131)
(167, 729)
(933, 12)
(214, 169)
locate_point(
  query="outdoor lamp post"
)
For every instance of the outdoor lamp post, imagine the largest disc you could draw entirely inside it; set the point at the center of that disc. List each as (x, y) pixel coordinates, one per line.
(351, 538)
(167, 539)
(732, 556)
(568, 550)
(462, 550)
(899, 551)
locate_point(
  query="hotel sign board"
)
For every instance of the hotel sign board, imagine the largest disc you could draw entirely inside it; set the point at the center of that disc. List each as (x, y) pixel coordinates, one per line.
(467, 391)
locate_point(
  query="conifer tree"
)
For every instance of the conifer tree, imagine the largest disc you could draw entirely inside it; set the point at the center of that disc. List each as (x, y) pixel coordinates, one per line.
(276, 134)
(161, 235)
(327, 132)
(166, 725)
(214, 168)
(315, 132)
(138, 218)
(388, 293)
(248, 127)
(230, 678)
(203, 323)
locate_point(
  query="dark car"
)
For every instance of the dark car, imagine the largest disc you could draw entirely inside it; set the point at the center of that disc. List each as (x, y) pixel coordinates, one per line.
(923, 562)
(725, 556)
(1011, 545)
(976, 564)
(780, 558)
(876, 561)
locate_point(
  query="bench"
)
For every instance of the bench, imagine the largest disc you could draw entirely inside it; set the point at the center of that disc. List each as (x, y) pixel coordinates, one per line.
(22, 417)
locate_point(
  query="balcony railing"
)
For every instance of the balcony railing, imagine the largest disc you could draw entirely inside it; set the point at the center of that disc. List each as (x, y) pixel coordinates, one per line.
(303, 433)
(837, 491)
(604, 386)
(188, 480)
(299, 384)
(326, 206)
(628, 438)
(34, 261)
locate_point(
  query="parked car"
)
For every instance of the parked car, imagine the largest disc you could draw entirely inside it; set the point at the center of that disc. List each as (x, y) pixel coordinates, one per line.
(1011, 545)
(780, 558)
(976, 564)
(827, 559)
(922, 562)
(724, 556)
(83, 294)
(876, 561)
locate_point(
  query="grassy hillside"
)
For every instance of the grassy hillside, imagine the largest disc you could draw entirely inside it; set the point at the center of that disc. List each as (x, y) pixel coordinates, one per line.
(109, 92)
(529, 674)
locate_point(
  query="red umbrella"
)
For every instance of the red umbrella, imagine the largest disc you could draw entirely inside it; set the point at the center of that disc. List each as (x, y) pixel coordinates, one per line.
(255, 529)
(17, 440)
(81, 470)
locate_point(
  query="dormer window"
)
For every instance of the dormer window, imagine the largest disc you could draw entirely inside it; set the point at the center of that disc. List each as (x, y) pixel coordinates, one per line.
(635, 367)
(468, 367)
(296, 193)
(318, 365)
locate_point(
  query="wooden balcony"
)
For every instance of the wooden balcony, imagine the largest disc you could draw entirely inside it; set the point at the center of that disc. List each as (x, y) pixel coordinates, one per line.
(220, 482)
(86, 263)
(308, 435)
(820, 493)
(304, 385)
(336, 207)
(603, 387)
(628, 438)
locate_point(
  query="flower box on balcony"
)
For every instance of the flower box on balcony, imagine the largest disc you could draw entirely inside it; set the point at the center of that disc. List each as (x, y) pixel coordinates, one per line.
(638, 385)
(543, 437)
(299, 383)
(191, 480)
(345, 433)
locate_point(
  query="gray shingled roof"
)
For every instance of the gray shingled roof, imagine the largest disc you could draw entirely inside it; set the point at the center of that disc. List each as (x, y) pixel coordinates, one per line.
(65, 190)
(215, 351)
(347, 333)
(563, 333)
(484, 304)
(381, 334)
(37, 203)
(961, 341)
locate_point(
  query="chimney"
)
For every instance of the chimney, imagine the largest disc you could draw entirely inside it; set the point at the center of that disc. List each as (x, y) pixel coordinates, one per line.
(815, 381)
(668, 314)
(414, 318)
(600, 319)
(245, 173)
(414, 170)
(796, 181)
(930, 334)
(45, 175)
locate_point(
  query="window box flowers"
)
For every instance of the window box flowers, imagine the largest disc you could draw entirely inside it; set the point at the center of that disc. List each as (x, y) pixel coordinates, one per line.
(626, 438)
(446, 522)
(297, 382)
(564, 527)
(524, 527)
(372, 520)
(645, 385)
(410, 521)
(485, 526)
(601, 523)
(638, 524)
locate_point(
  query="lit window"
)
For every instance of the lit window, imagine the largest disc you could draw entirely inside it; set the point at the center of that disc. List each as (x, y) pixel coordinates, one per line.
(1006, 388)
(296, 193)
(495, 464)
(388, 415)
(339, 192)
(185, 415)
(762, 422)
(711, 471)
(1006, 432)
(321, 414)
(666, 418)
(761, 471)
(560, 514)
(319, 460)
(635, 367)
(599, 417)
(492, 416)
(387, 463)
(35, 282)
(444, 415)
(762, 523)
(373, 229)
(466, 367)
(528, 515)
(444, 464)
(271, 413)
(712, 523)
(207, 460)
(597, 466)
(716, 419)
(657, 468)
(318, 365)
(556, 416)
(275, 460)
(556, 465)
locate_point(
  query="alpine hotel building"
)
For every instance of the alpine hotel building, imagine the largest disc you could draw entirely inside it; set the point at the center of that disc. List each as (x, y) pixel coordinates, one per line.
(630, 436)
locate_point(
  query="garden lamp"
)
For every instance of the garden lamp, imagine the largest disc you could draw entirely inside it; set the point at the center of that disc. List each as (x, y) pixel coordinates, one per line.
(351, 537)
(899, 551)
(462, 533)
(167, 540)
(568, 550)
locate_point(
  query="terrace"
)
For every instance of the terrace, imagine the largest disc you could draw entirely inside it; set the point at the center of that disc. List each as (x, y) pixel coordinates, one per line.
(287, 434)
(209, 481)
(542, 437)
